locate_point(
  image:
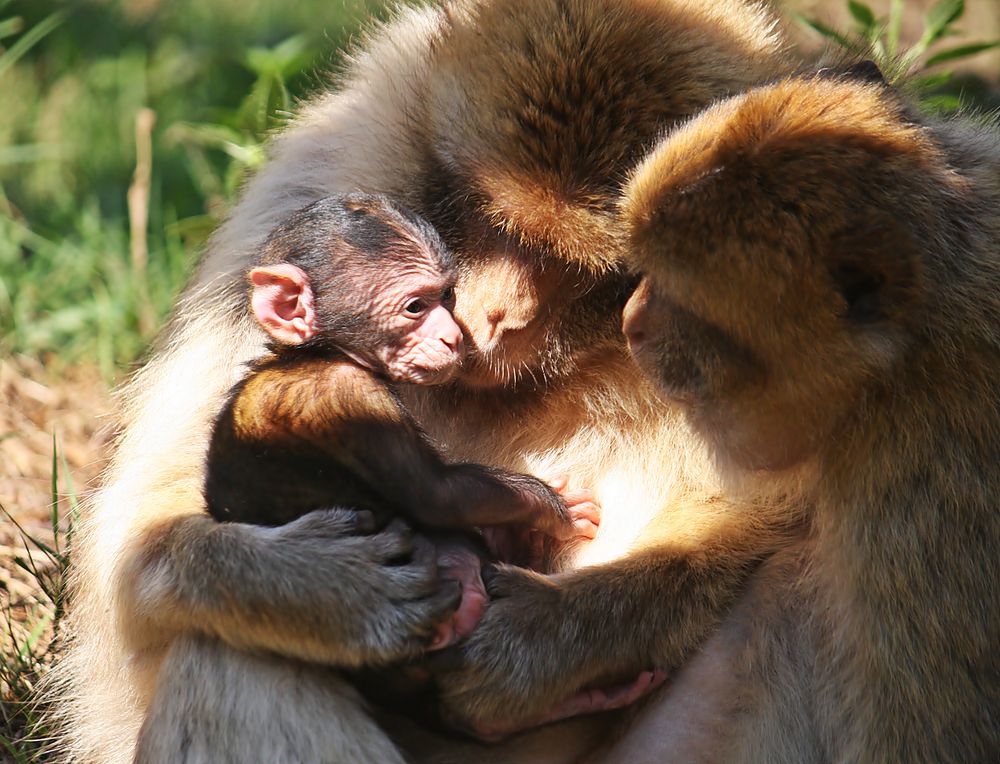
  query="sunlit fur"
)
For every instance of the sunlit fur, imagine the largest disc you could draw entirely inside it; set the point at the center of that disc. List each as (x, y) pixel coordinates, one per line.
(510, 126)
(822, 267)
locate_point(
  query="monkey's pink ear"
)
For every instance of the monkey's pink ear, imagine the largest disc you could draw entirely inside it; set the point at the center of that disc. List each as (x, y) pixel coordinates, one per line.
(282, 302)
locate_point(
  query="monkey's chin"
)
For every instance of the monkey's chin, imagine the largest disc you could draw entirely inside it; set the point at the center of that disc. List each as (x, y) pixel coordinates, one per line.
(426, 377)
(493, 373)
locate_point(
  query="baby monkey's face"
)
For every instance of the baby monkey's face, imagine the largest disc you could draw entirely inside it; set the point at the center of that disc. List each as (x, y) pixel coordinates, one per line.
(412, 311)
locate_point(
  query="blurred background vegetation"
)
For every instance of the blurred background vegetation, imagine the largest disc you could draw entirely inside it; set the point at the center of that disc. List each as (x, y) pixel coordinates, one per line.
(126, 126)
(164, 100)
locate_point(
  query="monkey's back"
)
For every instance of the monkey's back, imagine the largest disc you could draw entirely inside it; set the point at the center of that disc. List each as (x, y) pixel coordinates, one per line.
(281, 447)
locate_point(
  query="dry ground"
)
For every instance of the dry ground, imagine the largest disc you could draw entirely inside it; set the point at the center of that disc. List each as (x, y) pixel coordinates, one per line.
(34, 405)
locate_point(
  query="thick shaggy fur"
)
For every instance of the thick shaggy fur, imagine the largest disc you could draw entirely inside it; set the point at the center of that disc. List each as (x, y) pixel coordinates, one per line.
(823, 266)
(510, 126)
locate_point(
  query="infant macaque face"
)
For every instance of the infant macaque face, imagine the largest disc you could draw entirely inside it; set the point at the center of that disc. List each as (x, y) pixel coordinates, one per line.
(423, 345)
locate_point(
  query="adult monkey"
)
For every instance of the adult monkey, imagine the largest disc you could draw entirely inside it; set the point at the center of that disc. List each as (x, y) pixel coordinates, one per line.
(823, 256)
(509, 125)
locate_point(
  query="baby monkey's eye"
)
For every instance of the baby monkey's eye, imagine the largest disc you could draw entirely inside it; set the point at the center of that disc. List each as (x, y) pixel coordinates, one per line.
(415, 306)
(448, 295)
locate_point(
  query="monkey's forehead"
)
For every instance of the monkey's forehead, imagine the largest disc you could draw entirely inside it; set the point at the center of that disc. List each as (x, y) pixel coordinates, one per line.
(544, 115)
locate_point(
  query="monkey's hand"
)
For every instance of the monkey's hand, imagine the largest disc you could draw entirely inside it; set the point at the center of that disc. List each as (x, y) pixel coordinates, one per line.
(522, 662)
(561, 513)
(581, 504)
(327, 587)
(544, 639)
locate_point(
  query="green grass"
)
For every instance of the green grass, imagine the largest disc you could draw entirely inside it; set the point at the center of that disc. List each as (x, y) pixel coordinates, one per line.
(29, 627)
(924, 67)
(218, 75)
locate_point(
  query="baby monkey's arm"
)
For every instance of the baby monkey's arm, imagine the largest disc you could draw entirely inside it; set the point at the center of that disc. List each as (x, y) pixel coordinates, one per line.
(369, 430)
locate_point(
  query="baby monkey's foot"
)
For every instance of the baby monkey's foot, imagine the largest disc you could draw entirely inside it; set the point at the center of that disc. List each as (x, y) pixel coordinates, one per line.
(588, 701)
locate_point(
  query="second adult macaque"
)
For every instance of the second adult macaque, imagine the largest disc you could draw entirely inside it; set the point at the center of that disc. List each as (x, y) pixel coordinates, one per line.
(356, 294)
(820, 297)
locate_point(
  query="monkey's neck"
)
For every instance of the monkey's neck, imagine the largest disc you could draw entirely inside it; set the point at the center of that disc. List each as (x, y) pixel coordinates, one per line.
(906, 515)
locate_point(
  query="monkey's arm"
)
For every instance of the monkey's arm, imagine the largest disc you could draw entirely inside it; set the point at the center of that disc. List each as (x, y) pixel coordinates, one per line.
(322, 588)
(363, 425)
(543, 639)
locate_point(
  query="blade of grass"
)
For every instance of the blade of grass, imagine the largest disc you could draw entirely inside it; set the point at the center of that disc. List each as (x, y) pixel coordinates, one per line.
(74, 501)
(27, 536)
(893, 27)
(55, 491)
(826, 31)
(961, 52)
(28, 647)
(11, 26)
(862, 14)
(30, 38)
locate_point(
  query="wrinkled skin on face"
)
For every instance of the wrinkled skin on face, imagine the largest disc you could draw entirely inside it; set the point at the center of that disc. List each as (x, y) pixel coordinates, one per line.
(421, 343)
(404, 314)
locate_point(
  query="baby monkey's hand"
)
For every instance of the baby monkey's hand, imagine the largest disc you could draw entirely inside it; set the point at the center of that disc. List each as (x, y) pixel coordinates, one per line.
(582, 507)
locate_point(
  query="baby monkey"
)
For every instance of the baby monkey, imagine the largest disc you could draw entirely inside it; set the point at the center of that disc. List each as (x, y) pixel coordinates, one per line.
(356, 294)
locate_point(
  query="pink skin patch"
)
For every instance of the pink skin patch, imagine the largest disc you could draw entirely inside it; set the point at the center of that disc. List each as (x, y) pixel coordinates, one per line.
(582, 505)
(526, 547)
(429, 351)
(458, 561)
(282, 302)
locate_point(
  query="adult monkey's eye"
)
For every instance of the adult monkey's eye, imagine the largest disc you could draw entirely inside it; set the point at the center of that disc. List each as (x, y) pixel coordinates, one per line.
(415, 306)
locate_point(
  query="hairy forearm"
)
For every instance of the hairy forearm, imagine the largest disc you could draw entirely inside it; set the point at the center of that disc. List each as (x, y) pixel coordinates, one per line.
(472, 494)
(671, 598)
(545, 638)
(321, 588)
(193, 574)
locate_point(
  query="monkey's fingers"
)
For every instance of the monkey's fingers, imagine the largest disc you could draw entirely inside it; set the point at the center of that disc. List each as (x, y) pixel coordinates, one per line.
(586, 511)
(584, 528)
(444, 636)
(505, 580)
(606, 698)
(579, 496)
(364, 522)
(395, 543)
(335, 522)
(559, 483)
(583, 522)
(438, 610)
(584, 702)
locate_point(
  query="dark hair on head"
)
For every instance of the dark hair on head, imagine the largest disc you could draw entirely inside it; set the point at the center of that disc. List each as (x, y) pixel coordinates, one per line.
(355, 235)
(373, 227)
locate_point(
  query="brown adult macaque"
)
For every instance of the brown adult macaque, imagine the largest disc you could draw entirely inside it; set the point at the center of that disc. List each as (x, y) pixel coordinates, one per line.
(510, 127)
(821, 298)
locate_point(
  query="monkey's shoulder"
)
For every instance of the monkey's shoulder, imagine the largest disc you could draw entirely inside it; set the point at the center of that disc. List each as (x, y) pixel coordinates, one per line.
(292, 394)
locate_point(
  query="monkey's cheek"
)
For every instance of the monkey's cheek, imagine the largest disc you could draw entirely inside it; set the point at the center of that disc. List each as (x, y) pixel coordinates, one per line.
(676, 377)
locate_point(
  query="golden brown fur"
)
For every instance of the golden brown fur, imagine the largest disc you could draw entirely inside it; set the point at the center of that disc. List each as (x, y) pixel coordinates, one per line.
(822, 297)
(510, 126)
